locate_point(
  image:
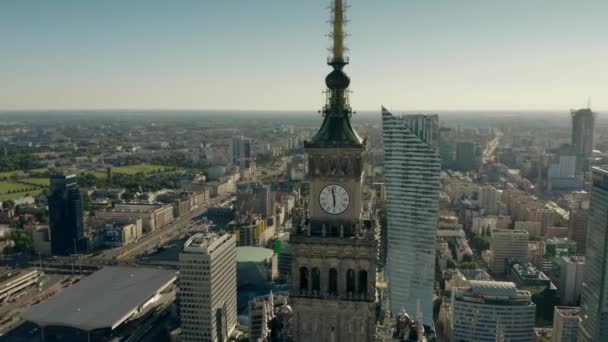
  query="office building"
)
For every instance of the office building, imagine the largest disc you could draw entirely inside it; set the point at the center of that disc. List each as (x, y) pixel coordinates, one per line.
(565, 324)
(66, 215)
(594, 295)
(492, 311)
(254, 198)
(577, 225)
(551, 251)
(412, 166)
(489, 199)
(508, 247)
(533, 228)
(466, 156)
(583, 131)
(561, 173)
(242, 153)
(207, 287)
(571, 279)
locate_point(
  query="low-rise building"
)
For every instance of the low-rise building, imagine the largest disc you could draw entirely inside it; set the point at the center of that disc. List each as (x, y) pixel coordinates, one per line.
(251, 231)
(529, 276)
(116, 234)
(41, 240)
(153, 216)
(551, 250)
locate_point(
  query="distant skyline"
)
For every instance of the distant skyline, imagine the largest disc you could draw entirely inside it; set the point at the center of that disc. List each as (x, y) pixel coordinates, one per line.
(270, 54)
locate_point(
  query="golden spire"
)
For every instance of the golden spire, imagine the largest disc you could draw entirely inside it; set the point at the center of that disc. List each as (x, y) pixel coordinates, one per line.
(338, 31)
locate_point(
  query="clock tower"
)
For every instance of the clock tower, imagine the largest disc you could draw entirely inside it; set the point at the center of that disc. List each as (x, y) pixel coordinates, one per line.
(334, 250)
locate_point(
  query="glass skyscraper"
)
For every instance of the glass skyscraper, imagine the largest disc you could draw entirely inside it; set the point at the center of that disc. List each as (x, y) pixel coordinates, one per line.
(594, 301)
(65, 215)
(411, 167)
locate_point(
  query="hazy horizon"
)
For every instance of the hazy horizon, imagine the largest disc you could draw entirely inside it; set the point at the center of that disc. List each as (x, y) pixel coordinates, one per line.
(270, 55)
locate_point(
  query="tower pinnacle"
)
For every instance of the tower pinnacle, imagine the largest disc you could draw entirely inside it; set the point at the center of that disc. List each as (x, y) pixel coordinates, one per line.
(336, 130)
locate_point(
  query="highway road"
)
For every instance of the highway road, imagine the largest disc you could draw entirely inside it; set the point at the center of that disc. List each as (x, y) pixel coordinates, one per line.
(488, 151)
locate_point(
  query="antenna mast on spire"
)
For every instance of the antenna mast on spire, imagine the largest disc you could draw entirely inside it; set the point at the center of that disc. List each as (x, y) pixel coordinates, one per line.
(338, 31)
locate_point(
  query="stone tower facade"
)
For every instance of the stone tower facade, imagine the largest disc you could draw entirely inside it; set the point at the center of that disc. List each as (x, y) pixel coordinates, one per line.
(334, 250)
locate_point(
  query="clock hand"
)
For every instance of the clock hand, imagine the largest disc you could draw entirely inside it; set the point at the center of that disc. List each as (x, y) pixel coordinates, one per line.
(333, 194)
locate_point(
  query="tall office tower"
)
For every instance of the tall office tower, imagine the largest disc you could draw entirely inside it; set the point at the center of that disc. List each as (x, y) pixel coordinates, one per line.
(334, 250)
(594, 297)
(65, 215)
(565, 324)
(488, 200)
(207, 287)
(466, 156)
(508, 246)
(577, 225)
(492, 311)
(242, 152)
(583, 130)
(446, 147)
(411, 171)
(253, 197)
(570, 279)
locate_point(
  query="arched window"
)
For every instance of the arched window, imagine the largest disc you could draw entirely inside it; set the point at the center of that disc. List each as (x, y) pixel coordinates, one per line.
(316, 279)
(333, 282)
(350, 281)
(303, 278)
(363, 282)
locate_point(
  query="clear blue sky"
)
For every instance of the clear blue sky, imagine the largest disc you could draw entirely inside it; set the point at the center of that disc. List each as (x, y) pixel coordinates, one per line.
(270, 54)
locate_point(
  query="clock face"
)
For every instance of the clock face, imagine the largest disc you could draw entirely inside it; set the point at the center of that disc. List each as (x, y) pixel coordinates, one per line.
(334, 199)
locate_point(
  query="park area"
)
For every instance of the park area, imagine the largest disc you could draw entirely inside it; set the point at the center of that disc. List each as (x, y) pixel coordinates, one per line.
(143, 168)
(11, 190)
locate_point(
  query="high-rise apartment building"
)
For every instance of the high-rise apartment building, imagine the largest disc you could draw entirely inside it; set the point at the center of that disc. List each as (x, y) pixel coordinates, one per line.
(594, 297)
(66, 215)
(565, 324)
(334, 250)
(570, 279)
(411, 171)
(508, 246)
(583, 130)
(489, 311)
(207, 288)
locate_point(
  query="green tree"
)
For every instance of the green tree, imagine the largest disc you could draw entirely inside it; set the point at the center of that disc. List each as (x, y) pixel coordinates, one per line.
(22, 242)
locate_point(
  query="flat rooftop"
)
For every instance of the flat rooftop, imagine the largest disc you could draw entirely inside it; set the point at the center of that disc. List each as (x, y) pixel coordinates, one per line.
(253, 254)
(105, 299)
